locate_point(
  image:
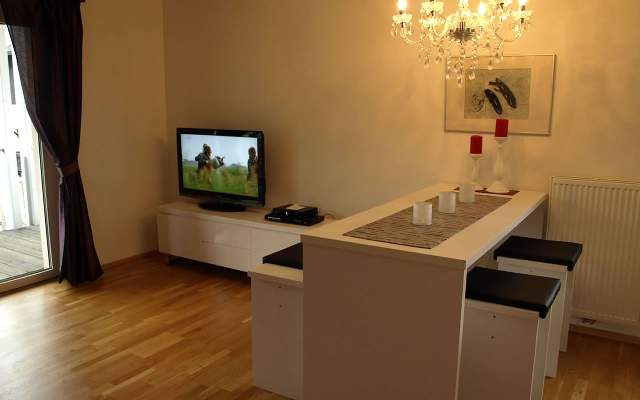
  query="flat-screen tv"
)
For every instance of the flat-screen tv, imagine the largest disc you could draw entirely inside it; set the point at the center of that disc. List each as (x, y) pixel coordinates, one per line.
(224, 167)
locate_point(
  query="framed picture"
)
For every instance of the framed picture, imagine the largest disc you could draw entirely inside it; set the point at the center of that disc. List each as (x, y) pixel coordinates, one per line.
(519, 88)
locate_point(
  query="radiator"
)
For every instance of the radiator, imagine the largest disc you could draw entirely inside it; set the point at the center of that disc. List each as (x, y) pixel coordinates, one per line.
(603, 215)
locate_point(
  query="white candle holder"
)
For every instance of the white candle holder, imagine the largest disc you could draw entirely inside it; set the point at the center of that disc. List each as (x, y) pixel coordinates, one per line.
(447, 202)
(467, 193)
(476, 171)
(498, 186)
(422, 213)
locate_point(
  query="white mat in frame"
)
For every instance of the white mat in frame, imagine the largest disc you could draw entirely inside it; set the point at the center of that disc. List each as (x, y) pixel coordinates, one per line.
(531, 80)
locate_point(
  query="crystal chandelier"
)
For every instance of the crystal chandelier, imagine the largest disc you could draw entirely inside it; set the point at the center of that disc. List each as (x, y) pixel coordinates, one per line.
(458, 38)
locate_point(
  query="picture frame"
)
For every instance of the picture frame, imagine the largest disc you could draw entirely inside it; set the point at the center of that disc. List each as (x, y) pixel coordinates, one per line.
(519, 88)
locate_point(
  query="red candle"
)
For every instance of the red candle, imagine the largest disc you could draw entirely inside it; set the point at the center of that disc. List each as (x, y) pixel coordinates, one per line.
(502, 127)
(476, 144)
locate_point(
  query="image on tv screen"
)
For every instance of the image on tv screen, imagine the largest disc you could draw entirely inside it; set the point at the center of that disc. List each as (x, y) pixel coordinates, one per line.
(220, 164)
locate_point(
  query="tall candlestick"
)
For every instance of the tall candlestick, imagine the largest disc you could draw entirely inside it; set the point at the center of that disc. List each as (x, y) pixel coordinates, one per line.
(476, 171)
(502, 133)
(498, 186)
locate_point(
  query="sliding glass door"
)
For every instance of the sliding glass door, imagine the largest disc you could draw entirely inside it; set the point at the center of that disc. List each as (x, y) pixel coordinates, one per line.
(25, 255)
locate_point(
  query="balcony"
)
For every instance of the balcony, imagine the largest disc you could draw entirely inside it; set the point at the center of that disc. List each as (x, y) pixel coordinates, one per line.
(20, 252)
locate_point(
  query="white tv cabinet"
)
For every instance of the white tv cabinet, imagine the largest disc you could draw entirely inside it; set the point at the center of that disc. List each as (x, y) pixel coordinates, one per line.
(232, 240)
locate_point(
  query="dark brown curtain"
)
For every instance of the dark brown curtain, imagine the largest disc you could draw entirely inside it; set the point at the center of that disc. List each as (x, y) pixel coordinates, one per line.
(47, 37)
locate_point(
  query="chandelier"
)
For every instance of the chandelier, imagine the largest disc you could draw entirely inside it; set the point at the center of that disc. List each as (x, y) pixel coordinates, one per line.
(458, 38)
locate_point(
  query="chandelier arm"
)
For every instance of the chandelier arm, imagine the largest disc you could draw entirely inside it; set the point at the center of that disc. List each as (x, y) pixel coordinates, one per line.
(496, 28)
(411, 41)
(434, 34)
(505, 40)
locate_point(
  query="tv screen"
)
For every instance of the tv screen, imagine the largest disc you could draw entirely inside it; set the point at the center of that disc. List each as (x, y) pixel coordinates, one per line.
(227, 165)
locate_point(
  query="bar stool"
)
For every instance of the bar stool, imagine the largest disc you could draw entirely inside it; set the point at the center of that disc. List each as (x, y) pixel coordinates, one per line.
(551, 259)
(505, 333)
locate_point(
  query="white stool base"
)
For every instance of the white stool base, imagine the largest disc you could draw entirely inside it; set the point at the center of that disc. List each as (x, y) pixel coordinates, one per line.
(559, 315)
(276, 308)
(503, 353)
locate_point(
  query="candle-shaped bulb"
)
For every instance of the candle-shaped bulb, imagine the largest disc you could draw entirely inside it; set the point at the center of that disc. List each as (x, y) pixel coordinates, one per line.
(482, 9)
(402, 5)
(522, 3)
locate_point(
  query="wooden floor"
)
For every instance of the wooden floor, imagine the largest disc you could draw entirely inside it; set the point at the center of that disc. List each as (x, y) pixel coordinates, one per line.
(20, 252)
(149, 331)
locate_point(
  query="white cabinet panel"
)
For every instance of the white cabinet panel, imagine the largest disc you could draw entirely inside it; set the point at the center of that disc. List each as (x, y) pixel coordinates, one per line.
(219, 244)
(186, 231)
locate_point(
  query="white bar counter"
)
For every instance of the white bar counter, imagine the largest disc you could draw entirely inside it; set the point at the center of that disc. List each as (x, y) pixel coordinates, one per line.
(384, 321)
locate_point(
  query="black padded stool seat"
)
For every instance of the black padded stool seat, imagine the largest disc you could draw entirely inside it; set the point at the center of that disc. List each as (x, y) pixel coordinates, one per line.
(541, 250)
(290, 257)
(528, 292)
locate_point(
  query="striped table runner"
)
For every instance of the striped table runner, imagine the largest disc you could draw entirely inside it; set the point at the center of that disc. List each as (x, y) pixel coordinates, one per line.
(399, 228)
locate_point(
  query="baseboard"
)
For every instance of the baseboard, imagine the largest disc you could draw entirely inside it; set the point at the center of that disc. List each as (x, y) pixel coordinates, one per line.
(621, 334)
(8, 289)
(132, 259)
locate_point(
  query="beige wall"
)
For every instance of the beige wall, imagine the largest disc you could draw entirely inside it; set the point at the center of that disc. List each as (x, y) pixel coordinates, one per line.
(124, 139)
(352, 119)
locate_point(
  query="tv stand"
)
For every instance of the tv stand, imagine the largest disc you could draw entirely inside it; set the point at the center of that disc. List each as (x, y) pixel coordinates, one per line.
(222, 206)
(236, 240)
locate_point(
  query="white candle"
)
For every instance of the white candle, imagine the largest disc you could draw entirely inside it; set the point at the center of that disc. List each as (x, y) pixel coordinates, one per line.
(422, 213)
(467, 193)
(447, 202)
